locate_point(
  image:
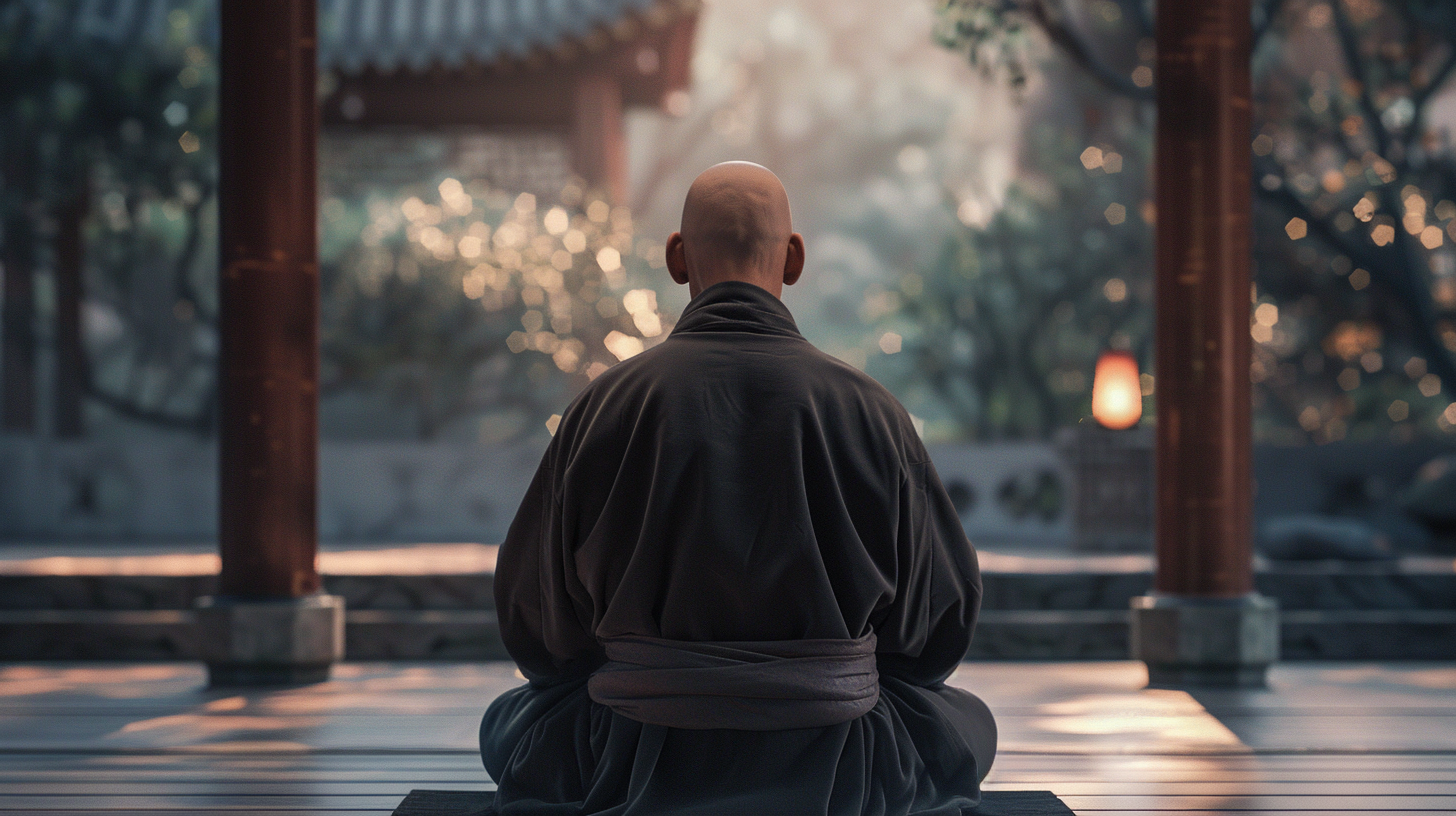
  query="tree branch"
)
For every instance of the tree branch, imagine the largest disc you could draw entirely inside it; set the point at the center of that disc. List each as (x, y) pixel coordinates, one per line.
(1137, 10)
(1350, 50)
(1320, 227)
(1419, 101)
(1271, 13)
(1437, 80)
(199, 423)
(1054, 25)
(187, 257)
(1395, 278)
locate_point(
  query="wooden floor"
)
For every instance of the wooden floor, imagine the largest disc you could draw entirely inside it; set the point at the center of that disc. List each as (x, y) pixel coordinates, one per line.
(1345, 738)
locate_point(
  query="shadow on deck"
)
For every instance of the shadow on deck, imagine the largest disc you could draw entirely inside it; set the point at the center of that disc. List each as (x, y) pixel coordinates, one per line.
(1327, 738)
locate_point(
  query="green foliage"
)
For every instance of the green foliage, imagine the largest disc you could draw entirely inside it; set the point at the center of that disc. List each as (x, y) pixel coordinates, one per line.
(995, 38)
(130, 130)
(1354, 226)
(478, 313)
(424, 333)
(1355, 321)
(1002, 332)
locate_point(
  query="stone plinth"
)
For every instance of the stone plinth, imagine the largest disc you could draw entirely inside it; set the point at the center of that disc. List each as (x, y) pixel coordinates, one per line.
(1113, 497)
(1189, 641)
(273, 641)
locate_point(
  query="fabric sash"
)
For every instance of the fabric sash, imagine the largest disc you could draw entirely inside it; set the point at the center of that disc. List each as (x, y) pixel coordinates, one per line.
(766, 685)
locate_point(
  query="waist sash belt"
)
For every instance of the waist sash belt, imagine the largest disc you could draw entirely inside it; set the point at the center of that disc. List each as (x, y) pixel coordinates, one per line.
(749, 686)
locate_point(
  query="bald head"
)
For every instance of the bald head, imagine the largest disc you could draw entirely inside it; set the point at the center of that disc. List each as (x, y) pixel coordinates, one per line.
(736, 226)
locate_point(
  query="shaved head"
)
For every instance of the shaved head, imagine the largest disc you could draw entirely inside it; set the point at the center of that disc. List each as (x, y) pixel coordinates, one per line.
(736, 226)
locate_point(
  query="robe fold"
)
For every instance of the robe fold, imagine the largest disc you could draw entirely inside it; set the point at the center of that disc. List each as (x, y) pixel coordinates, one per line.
(742, 521)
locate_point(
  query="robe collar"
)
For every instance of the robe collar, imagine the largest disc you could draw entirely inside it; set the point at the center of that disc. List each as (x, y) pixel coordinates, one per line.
(737, 306)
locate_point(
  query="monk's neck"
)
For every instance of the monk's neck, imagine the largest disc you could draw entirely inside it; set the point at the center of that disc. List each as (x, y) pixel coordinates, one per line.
(698, 283)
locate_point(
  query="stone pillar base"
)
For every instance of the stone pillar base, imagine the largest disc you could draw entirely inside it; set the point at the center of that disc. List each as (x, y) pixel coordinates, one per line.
(1188, 641)
(270, 641)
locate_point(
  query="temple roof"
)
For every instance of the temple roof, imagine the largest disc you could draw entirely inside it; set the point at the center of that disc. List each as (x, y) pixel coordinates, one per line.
(418, 34)
(384, 35)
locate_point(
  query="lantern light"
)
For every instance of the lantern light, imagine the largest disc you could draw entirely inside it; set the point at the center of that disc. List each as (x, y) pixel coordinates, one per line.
(1117, 397)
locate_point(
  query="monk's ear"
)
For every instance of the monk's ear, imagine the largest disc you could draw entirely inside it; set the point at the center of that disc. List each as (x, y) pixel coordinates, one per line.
(677, 259)
(794, 259)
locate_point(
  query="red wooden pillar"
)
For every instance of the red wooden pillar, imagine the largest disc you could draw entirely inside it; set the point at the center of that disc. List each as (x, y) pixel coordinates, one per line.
(599, 147)
(269, 294)
(1203, 623)
(268, 624)
(1203, 259)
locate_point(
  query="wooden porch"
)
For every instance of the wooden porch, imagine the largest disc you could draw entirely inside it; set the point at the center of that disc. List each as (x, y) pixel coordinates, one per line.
(1323, 738)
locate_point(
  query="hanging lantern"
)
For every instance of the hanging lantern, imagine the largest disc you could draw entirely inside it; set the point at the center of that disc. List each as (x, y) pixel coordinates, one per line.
(1117, 396)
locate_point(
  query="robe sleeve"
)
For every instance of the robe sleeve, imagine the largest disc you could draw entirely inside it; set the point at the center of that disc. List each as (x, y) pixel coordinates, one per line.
(925, 632)
(544, 615)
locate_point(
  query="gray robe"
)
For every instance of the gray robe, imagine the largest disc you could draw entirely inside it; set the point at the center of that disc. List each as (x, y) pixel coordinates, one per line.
(734, 484)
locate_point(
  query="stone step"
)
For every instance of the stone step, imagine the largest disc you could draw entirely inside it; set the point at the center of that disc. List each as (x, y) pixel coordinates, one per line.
(1334, 634)
(380, 634)
(159, 592)
(1410, 584)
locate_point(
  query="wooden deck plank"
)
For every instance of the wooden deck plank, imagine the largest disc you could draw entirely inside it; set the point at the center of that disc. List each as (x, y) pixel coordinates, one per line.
(241, 787)
(1303, 760)
(399, 787)
(209, 801)
(1258, 788)
(1061, 783)
(1079, 803)
(1153, 778)
(218, 812)
(1372, 802)
(1347, 739)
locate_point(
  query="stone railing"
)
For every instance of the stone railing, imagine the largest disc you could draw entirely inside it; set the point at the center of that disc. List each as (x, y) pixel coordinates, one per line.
(165, 489)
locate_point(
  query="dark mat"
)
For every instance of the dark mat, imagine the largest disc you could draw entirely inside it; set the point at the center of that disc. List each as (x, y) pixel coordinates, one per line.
(465, 803)
(444, 803)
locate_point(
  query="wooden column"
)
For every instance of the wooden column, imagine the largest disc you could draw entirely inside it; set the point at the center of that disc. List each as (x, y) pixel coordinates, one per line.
(269, 293)
(599, 147)
(1203, 179)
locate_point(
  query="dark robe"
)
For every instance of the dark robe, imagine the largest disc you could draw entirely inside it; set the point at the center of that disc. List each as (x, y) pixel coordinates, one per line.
(735, 484)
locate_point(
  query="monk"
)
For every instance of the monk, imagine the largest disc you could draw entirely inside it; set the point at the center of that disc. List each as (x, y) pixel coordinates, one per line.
(736, 584)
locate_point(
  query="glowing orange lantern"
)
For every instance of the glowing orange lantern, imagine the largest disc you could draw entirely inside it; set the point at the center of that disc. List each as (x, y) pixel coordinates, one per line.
(1117, 394)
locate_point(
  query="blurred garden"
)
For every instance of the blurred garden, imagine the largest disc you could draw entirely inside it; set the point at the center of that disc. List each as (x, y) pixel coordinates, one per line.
(972, 178)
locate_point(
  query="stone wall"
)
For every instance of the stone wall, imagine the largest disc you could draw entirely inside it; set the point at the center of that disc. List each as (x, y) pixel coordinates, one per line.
(165, 489)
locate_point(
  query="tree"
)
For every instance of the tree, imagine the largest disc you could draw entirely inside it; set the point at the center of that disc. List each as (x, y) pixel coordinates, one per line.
(116, 138)
(1354, 192)
(91, 120)
(997, 336)
(476, 311)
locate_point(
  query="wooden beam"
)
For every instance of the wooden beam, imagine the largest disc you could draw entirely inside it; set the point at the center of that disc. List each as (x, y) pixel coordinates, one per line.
(538, 100)
(1203, 195)
(269, 296)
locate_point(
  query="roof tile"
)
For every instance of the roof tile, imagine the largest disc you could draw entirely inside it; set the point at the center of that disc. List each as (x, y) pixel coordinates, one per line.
(385, 35)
